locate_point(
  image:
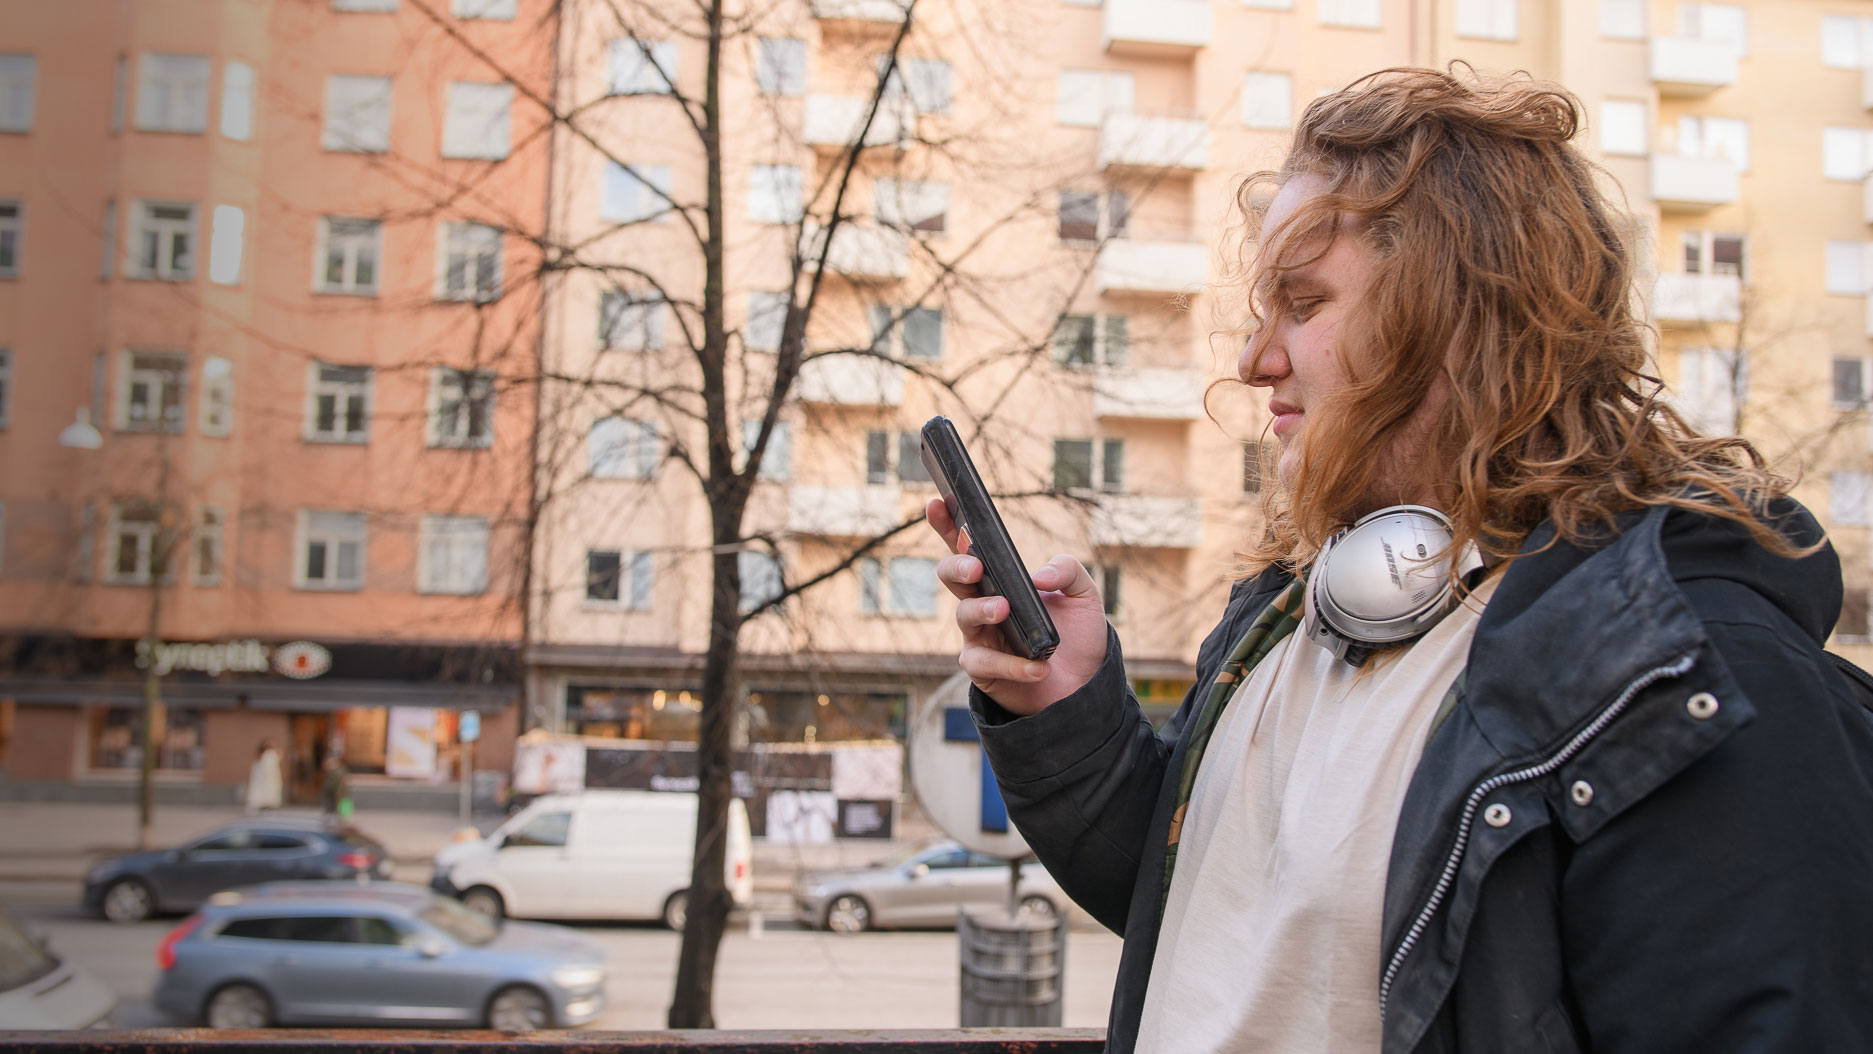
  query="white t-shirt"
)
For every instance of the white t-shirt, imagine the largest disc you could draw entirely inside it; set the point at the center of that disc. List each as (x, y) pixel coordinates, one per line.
(1270, 941)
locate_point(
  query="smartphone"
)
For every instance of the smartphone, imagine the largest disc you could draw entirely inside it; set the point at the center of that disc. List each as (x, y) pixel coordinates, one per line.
(1028, 628)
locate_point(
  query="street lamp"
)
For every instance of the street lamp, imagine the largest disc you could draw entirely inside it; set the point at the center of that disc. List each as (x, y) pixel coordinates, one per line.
(81, 434)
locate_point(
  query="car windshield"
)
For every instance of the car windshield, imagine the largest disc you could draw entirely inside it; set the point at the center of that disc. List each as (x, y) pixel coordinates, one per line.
(906, 854)
(22, 960)
(467, 926)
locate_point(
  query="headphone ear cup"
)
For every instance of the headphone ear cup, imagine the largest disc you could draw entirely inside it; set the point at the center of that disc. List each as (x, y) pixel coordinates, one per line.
(1384, 581)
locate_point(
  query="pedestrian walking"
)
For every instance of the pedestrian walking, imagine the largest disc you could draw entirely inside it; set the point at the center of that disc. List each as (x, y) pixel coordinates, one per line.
(264, 779)
(335, 789)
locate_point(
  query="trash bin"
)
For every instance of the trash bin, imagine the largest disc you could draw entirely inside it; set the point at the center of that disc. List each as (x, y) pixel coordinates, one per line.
(1011, 969)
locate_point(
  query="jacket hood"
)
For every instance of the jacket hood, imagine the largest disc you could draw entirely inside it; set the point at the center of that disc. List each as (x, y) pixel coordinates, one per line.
(1806, 589)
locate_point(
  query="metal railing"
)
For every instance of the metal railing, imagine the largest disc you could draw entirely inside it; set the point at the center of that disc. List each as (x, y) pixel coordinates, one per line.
(389, 1041)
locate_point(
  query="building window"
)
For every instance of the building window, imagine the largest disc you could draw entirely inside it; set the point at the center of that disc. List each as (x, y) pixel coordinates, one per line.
(767, 321)
(1623, 127)
(1257, 460)
(1853, 381)
(461, 408)
(1085, 98)
(503, 10)
(210, 526)
(643, 67)
(364, 5)
(1847, 498)
(237, 101)
(172, 93)
(108, 257)
(19, 85)
(120, 92)
(227, 232)
(782, 66)
(117, 739)
(331, 551)
(1623, 19)
(6, 387)
(762, 579)
(1357, 14)
(340, 408)
(357, 114)
(1087, 216)
(1092, 340)
(1267, 100)
(911, 204)
(1079, 462)
(635, 193)
(618, 577)
(1722, 24)
(774, 194)
(1713, 384)
(775, 460)
(471, 262)
(1712, 252)
(150, 396)
(453, 555)
(348, 253)
(1854, 610)
(1486, 19)
(12, 236)
(630, 321)
(1847, 41)
(915, 334)
(623, 448)
(1846, 153)
(1718, 137)
(164, 241)
(1847, 267)
(898, 585)
(137, 547)
(476, 125)
(894, 455)
(925, 82)
(217, 403)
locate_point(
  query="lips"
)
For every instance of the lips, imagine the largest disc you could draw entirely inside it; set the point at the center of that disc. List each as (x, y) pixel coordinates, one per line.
(1287, 417)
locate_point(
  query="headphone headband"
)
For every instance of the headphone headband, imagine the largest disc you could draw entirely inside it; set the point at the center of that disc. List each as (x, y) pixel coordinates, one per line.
(1384, 581)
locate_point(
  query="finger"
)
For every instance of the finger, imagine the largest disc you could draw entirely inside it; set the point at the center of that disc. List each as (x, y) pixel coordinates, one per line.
(987, 664)
(981, 611)
(1064, 574)
(959, 574)
(938, 513)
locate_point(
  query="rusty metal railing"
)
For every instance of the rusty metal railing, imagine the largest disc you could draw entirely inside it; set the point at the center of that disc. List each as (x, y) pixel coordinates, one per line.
(397, 1041)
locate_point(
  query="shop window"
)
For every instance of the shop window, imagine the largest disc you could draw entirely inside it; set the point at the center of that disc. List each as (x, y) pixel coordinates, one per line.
(632, 713)
(116, 737)
(808, 717)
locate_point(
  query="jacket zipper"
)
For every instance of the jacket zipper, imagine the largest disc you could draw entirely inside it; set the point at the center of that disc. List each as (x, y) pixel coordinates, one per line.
(1483, 789)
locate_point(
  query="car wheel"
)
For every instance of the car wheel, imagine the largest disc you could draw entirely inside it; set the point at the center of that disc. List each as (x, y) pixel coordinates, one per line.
(128, 900)
(1035, 908)
(238, 1006)
(484, 901)
(848, 913)
(518, 1009)
(676, 910)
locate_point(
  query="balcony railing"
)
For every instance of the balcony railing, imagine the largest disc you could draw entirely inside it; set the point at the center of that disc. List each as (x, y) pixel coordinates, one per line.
(834, 121)
(850, 380)
(861, 252)
(1693, 184)
(1157, 27)
(397, 1041)
(859, 10)
(1135, 265)
(1144, 522)
(1129, 140)
(1688, 67)
(1148, 394)
(1697, 298)
(843, 512)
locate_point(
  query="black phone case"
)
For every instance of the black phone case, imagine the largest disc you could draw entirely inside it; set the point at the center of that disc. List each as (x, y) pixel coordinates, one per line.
(1028, 628)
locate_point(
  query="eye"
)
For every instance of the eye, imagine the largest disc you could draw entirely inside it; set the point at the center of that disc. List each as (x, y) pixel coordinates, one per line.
(1304, 309)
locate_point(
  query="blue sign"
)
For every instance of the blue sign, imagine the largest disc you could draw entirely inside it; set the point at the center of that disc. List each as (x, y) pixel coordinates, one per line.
(960, 727)
(469, 728)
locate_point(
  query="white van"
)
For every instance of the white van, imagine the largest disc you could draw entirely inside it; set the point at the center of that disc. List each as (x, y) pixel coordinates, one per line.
(610, 854)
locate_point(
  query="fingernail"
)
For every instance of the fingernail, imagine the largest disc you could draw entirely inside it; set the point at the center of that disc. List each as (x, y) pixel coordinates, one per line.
(1035, 670)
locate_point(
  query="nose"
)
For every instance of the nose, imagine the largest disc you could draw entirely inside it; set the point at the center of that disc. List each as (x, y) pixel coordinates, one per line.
(1273, 363)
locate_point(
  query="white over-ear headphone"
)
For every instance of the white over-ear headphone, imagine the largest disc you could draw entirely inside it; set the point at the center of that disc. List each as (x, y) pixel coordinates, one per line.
(1385, 580)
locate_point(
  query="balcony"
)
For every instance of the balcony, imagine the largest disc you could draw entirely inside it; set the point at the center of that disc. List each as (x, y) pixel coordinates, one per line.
(1156, 27)
(843, 512)
(860, 252)
(1129, 140)
(881, 11)
(1140, 522)
(1128, 265)
(1691, 68)
(834, 121)
(1693, 184)
(850, 380)
(1148, 394)
(1697, 298)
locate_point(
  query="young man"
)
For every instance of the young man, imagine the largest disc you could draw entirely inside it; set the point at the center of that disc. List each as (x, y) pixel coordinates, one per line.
(1611, 796)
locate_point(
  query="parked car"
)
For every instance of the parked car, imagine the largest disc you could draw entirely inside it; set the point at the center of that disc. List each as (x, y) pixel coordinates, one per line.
(925, 884)
(372, 953)
(134, 886)
(617, 854)
(40, 990)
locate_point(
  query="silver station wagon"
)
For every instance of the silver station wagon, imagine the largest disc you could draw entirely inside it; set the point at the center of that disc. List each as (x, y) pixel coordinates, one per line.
(294, 953)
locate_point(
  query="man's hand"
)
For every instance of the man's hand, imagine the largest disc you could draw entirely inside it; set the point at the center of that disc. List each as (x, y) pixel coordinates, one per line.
(1020, 685)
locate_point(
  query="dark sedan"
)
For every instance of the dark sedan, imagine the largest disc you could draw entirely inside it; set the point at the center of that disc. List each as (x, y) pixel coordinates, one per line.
(134, 886)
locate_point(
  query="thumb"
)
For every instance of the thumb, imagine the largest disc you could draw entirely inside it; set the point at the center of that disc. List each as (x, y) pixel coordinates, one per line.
(1065, 575)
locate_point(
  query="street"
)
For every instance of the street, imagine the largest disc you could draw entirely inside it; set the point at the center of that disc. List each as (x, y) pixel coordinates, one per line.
(779, 977)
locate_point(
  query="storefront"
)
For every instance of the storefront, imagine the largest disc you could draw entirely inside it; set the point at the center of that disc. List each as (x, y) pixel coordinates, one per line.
(72, 716)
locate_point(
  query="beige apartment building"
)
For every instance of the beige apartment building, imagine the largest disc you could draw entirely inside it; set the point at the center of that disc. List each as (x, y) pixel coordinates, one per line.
(269, 312)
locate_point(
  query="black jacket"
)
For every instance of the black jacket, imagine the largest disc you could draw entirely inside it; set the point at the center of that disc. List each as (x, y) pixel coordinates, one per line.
(1647, 826)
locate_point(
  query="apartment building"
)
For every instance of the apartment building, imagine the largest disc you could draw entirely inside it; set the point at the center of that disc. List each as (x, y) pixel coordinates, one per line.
(268, 319)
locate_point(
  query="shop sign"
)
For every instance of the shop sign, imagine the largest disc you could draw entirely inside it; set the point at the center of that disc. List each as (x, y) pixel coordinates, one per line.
(300, 659)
